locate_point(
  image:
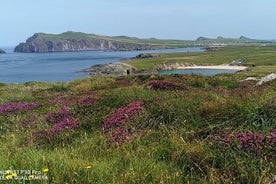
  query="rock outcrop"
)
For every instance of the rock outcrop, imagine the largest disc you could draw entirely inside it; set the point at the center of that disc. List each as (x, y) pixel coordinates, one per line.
(72, 41)
(2, 51)
(171, 66)
(266, 79)
(144, 56)
(113, 69)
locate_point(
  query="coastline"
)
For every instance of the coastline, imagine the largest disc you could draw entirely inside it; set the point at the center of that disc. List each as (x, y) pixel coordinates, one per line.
(223, 67)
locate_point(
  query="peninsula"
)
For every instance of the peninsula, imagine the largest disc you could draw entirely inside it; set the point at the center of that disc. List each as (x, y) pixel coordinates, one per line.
(77, 41)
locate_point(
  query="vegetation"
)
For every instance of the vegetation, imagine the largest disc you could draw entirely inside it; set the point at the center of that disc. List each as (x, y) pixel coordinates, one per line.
(142, 129)
(155, 43)
(259, 56)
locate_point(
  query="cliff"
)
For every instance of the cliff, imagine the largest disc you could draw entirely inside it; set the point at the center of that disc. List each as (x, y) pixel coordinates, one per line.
(75, 41)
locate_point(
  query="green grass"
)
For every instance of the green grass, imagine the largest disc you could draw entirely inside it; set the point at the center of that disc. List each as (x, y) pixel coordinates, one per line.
(170, 139)
(264, 58)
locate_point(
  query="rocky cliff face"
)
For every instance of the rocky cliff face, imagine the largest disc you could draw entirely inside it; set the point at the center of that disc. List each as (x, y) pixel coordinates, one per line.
(2, 51)
(45, 43)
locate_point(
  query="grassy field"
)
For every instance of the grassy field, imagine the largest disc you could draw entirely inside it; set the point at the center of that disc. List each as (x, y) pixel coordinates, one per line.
(144, 129)
(260, 56)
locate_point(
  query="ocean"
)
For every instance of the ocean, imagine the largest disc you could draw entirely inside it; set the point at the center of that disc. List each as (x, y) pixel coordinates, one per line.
(61, 66)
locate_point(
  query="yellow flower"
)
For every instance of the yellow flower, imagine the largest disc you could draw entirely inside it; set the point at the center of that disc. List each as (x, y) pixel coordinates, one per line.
(8, 177)
(88, 167)
(13, 174)
(45, 170)
(8, 171)
(31, 176)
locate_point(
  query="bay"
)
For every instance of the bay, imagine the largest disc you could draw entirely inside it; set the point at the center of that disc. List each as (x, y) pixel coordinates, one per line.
(62, 66)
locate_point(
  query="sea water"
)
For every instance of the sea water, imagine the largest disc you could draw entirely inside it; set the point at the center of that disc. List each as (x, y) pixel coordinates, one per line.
(61, 66)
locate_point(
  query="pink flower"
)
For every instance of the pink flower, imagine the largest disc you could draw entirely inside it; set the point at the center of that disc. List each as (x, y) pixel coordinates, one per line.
(65, 124)
(87, 100)
(15, 107)
(117, 123)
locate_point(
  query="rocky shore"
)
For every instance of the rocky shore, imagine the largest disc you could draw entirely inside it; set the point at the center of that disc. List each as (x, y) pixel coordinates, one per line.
(113, 69)
(2, 51)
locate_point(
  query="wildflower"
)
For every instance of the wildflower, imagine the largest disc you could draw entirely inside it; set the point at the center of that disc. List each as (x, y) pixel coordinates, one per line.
(14, 174)
(87, 100)
(20, 106)
(8, 177)
(88, 167)
(65, 124)
(8, 171)
(123, 115)
(45, 170)
(259, 144)
(117, 123)
(31, 176)
(55, 117)
(162, 85)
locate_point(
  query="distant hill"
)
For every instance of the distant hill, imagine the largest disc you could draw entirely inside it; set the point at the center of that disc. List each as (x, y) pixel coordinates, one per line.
(232, 41)
(76, 41)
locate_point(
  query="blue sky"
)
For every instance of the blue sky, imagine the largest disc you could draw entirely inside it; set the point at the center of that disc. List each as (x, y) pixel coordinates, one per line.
(175, 19)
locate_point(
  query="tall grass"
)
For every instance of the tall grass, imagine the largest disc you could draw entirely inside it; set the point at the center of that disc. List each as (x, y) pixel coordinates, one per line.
(172, 139)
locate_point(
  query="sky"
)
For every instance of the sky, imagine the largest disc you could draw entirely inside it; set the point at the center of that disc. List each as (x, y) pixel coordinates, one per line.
(164, 19)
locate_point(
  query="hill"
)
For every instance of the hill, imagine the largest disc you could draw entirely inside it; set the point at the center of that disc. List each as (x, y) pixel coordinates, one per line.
(76, 41)
(231, 41)
(145, 128)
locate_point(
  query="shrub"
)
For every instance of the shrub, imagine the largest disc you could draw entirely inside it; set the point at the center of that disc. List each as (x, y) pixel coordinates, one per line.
(55, 117)
(11, 107)
(117, 124)
(162, 85)
(59, 88)
(66, 124)
(87, 100)
(257, 143)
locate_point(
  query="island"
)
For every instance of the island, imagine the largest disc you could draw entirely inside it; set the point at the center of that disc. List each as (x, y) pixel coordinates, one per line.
(77, 41)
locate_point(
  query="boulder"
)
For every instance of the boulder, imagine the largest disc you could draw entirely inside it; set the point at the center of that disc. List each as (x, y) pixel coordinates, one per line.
(144, 56)
(250, 79)
(266, 79)
(2, 51)
(113, 69)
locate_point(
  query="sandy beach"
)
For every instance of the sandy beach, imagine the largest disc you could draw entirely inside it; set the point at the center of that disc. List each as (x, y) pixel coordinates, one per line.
(224, 67)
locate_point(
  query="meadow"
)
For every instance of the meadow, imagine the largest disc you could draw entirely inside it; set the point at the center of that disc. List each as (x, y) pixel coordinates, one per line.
(145, 128)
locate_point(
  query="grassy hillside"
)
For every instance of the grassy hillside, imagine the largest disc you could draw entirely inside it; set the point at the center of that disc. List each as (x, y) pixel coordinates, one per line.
(142, 129)
(156, 43)
(122, 39)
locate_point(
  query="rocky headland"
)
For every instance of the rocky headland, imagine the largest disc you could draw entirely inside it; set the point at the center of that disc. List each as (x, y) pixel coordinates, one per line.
(75, 41)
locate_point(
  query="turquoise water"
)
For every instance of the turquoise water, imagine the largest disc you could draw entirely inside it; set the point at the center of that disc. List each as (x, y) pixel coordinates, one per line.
(61, 66)
(208, 72)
